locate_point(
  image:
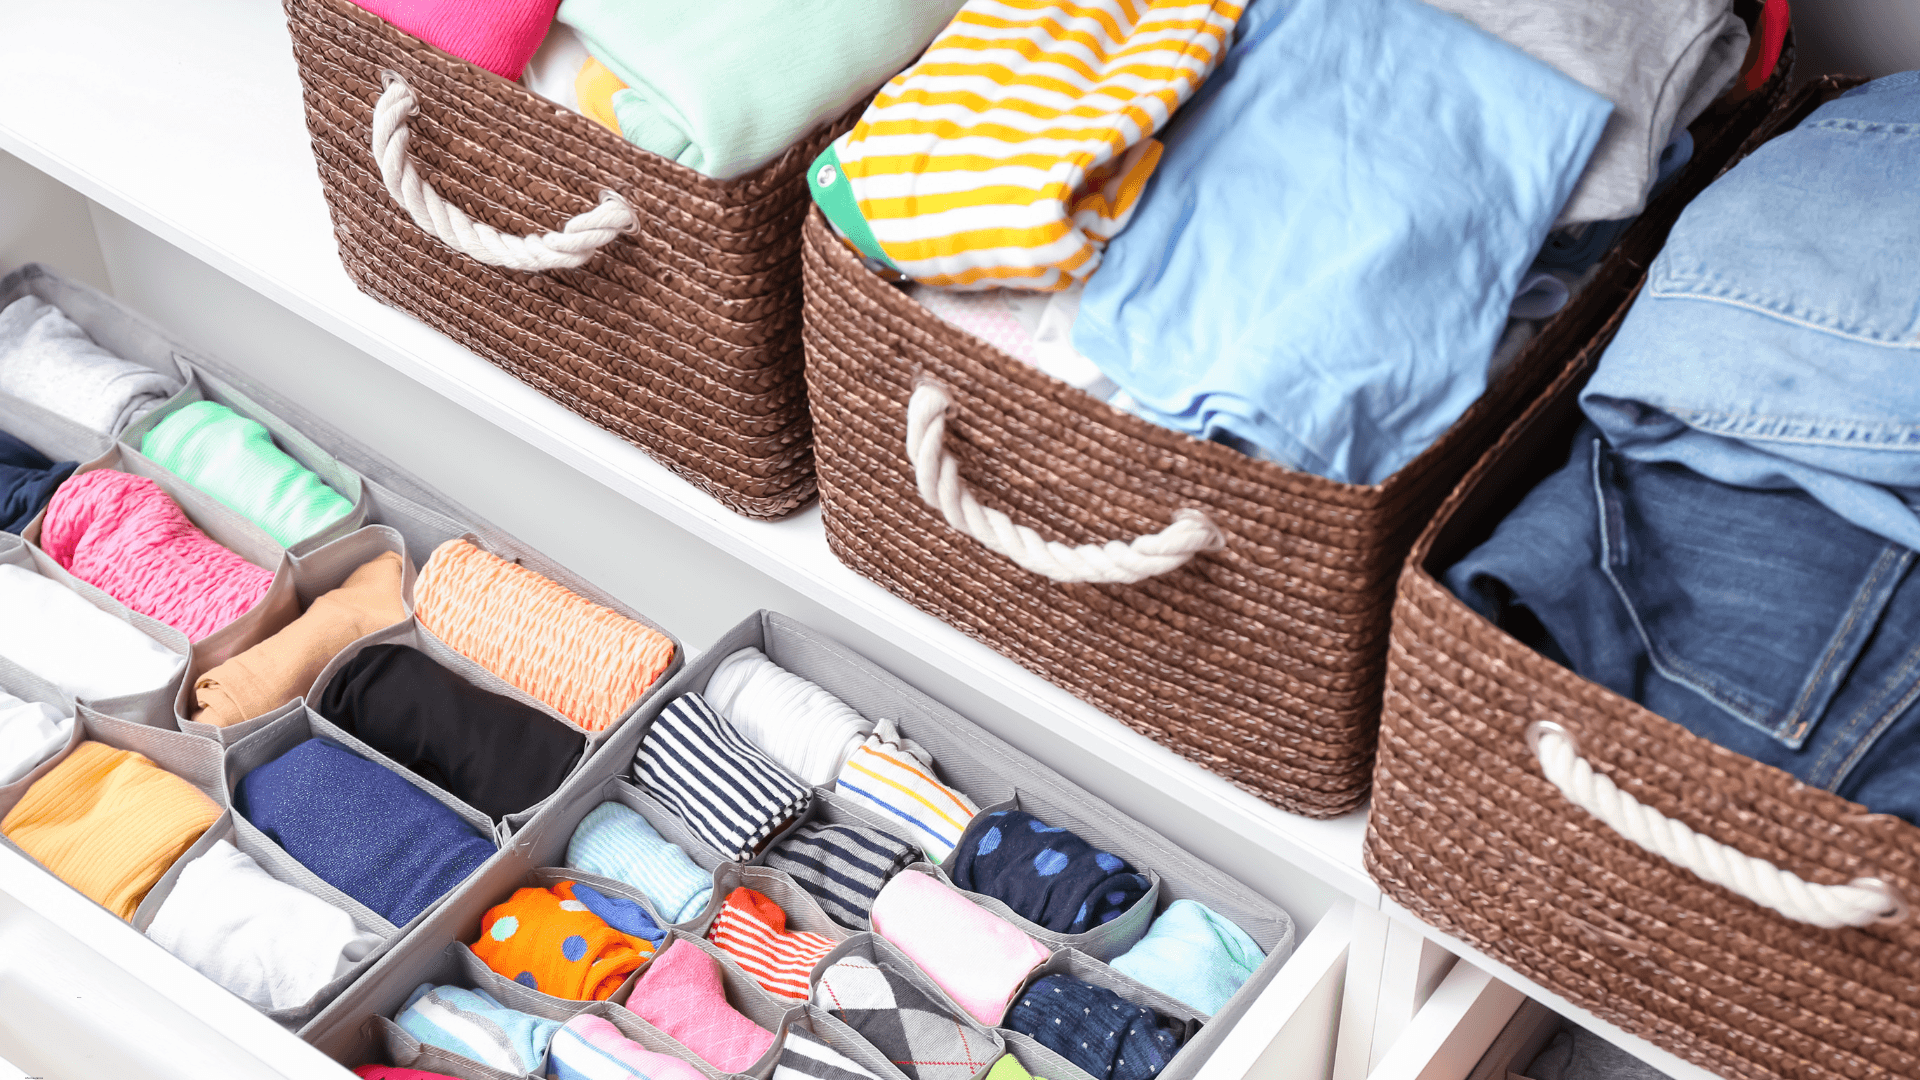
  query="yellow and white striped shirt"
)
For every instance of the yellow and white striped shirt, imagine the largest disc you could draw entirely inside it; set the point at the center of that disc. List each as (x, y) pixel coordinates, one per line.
(1021, 140)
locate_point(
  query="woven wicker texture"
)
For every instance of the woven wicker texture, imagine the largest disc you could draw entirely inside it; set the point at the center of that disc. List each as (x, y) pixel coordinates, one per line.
(588, 662)
(1468, 834)
(1262, 661)
(683, 338)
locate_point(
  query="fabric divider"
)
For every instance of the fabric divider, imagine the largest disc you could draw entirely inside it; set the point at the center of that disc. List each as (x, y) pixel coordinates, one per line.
(1078, 965)
(152, 707)
(823, 808)
(575, 802)
(112, 327)
(413, 635)
(397, 1047)
(826, 1027)
(1039, 1061)
(194, 760)
(203, 385)
(309, 576)
(457, 966)
(50, 433)
(743, 994)
(27, 686)
(803, 911)
(883, 953)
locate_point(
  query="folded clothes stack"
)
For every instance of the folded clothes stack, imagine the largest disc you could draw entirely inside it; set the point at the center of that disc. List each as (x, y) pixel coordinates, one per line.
(85, 652)
(49, 361)
(28, 479)
(234, 459)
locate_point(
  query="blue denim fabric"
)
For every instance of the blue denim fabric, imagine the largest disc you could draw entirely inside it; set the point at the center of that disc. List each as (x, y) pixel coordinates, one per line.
(1324, 259)
(1756, 619)
(1778, 340)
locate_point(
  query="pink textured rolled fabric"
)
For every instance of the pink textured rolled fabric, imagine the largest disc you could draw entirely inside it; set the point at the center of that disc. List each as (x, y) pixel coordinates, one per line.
(978, 958)
(682, 995)
(125, 535)
(499, 35)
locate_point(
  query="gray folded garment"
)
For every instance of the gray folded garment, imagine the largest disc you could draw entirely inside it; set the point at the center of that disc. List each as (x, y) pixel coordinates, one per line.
(45, 358)
(1661, 63)
(1578, 1054)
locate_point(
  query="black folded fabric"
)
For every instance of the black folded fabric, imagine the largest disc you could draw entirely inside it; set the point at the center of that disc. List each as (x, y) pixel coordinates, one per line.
(496, 754)
(27, 481)
(1045, 873)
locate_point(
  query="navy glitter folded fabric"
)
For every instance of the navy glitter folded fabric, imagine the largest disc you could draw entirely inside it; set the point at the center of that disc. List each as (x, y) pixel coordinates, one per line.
(1045, 873)
(1093, 1027)
(27, 481)
(362, 828)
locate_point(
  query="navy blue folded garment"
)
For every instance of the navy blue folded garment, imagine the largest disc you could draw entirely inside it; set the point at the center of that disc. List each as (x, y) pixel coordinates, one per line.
(1047, 875)
(496, 754)
(1098, 1030)
(362, 828)
(27, 482)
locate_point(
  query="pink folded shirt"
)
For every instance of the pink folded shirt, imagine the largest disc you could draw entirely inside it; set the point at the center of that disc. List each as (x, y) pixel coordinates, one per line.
(682, 995)
(978, 958)
(499, 35)
(125, 535)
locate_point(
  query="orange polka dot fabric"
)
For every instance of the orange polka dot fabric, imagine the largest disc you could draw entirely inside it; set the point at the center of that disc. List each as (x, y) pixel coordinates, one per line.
(588, 662)
(547, 940)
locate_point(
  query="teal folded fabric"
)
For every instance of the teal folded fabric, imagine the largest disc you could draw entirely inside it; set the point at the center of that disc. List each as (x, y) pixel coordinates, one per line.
(725, 88)
(616, 842)
(1194, 956)
(473, 1024)
(234, 460)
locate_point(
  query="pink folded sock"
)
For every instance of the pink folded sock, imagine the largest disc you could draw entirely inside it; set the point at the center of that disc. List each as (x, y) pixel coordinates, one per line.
(499, 35)
(126, 536)
(682, 995)
(978, 958)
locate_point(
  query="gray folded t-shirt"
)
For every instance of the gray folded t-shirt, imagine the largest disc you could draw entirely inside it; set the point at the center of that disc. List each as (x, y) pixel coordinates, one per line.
(46, 359)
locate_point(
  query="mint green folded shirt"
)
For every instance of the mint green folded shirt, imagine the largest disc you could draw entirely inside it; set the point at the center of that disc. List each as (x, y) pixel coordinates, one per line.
(1194, 956)
(234, 460)
(725, 88)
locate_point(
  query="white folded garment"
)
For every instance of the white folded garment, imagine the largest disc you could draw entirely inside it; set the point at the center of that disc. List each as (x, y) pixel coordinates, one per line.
(30, 733)
(267, 941)
(55, 633)
(47, 359)
(555, 68)
(796, 723)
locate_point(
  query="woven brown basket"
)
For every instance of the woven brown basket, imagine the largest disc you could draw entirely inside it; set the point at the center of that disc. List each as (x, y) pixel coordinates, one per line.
(1468, 834)
(1262, 661)
(683, 337)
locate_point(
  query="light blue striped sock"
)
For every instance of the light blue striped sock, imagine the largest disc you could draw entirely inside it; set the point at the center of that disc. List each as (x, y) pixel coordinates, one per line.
(615, 841)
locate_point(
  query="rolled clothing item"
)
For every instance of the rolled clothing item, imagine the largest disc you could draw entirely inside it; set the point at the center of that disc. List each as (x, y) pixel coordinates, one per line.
(28, 479)
(495, 754)
(978, 958)
(394, 1072)
(555, 65)
(752, 929)
(615, 841)
(234, 459)
(1016, 147)
(588, 663)
(546, 940)
(681, 993)
(1046, 874)
(798, 724)
(730, 794)
(1220, 310)
(499, 35)
(1194, 955)
(30, 733)
(915, 1032)
(125, 535)
(1660, 62)
(273, 944)
(361, 827)
(109, 823)
(1103, 1033)
(1576, 248)
(724, 102)
(284, 666)
(45, 358)
(893, 776)
(55, 633)
(590, 1048)
(843, 866)
(627, 916)
(806, 1056)
(1540, 295)
(474, 1025)
(1033, 328)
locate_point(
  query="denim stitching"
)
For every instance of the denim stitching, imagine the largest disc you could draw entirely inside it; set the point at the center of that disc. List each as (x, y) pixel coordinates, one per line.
(1801, 430)
(1862, 599)
(1744, 300)
(1908, 673)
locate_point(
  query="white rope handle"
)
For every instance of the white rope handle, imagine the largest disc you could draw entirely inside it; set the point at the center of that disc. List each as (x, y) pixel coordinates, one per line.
(1859, 903)
(572, 246)
(938, 475)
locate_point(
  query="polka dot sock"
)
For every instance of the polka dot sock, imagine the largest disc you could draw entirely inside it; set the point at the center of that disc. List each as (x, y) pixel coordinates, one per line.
(548, 940)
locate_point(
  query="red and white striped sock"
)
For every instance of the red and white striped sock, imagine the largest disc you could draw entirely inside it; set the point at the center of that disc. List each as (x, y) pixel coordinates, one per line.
(753, 930)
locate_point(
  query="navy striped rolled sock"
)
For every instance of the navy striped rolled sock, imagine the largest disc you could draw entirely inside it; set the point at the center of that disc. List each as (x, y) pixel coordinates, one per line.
(843, 866)
(728, 792)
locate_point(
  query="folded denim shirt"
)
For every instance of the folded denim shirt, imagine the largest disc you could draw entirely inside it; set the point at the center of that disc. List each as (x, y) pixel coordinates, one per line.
(1775, 343)
(1757, 619)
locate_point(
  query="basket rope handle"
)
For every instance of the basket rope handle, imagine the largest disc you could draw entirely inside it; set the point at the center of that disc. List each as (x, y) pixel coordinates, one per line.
(1862, 902)
(1114, 562)
(582, 235)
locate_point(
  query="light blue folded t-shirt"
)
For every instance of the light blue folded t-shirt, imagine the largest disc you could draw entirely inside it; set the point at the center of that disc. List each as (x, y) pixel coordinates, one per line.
(1193, 955)
(473, 1024)
(1323, 262)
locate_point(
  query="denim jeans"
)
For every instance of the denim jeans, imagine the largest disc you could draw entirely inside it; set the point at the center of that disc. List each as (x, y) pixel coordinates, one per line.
(1757, 619)
(1776, 342)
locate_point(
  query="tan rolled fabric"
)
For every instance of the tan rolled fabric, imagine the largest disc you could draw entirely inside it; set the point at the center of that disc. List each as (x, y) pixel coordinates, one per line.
(284, 666)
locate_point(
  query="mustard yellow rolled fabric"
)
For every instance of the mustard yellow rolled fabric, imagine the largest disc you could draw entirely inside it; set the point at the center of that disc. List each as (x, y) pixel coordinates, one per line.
(109, 823)
(284, 666)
